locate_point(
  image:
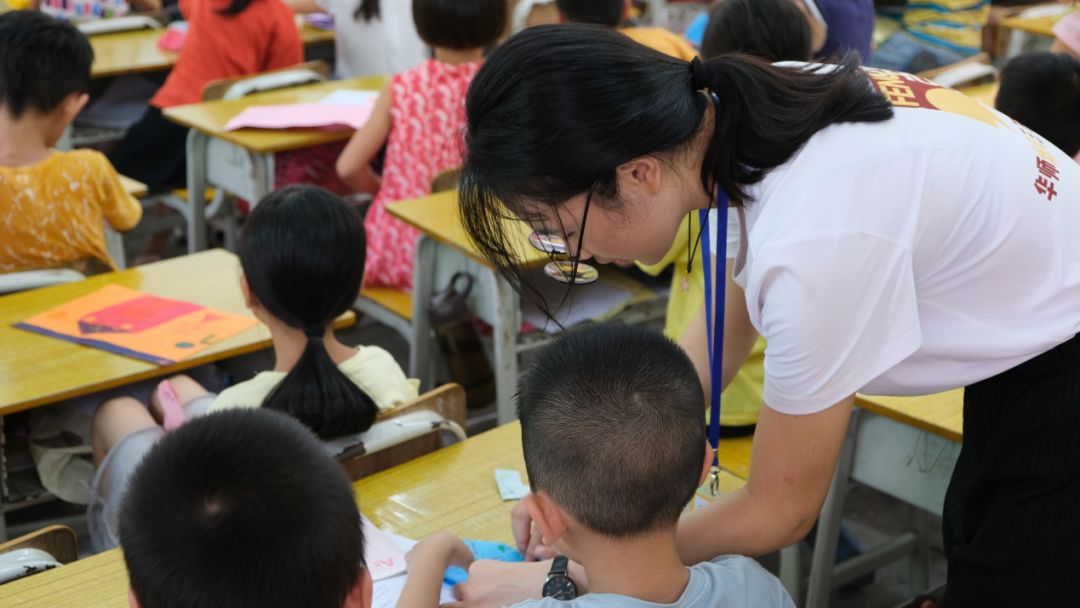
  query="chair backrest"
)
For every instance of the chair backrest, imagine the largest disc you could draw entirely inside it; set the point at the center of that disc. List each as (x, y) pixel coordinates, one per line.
(58, 541)
(421, 424)
(446, 180)
(119, 24)
(32, 279)
(973, 70)
(235, 88)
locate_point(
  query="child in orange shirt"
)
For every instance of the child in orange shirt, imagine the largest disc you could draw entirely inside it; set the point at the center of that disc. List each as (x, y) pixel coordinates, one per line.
(53, 205)
(226, 39)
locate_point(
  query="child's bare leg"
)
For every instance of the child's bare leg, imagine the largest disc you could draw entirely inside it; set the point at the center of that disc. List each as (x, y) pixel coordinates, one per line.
(114, 420)
(187, 390)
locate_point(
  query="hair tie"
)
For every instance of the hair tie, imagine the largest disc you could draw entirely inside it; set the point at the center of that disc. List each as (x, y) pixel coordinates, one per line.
(700, 76)
(315, 331)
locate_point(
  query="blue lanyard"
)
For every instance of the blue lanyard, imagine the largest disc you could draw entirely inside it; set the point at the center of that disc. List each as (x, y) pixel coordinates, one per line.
(715, 277)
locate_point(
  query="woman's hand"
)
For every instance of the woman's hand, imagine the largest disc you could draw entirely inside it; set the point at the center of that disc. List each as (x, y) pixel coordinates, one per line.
(528, 538)
(494, 584)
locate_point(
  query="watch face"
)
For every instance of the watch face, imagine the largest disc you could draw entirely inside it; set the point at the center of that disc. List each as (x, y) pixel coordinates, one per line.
(560, 587)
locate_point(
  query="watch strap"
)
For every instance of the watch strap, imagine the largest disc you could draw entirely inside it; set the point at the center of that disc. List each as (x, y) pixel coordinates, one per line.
(559, 565)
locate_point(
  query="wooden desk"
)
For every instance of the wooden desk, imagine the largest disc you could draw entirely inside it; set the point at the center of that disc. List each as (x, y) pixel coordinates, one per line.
(36, 370)
(1039, 26)
(986, 93)
(941, 414)
(137, 51)
(453, 489)
(133, 187)
(210, 117)
(129, 53)
(437, 217)
(243, 161)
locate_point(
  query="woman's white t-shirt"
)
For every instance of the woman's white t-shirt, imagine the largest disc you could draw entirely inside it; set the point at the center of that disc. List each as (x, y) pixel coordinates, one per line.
(927, 252)
(381, 47)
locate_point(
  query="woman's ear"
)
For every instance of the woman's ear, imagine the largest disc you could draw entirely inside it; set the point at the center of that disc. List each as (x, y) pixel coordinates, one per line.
(643, 175)
(547, 516)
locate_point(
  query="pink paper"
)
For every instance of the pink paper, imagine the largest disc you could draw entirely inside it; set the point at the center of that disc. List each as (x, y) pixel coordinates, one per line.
(383, 556)
(302, 116)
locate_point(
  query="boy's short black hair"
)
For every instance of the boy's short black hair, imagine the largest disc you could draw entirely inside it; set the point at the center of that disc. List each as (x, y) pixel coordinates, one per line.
(599, 12)
(1042, 92)
(776, 30)
(613, 428)
(42, 61)
(459, 24)
(242, 508)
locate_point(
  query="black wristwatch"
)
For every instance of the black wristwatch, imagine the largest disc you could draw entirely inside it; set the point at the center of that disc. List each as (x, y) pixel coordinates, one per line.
(558, 585)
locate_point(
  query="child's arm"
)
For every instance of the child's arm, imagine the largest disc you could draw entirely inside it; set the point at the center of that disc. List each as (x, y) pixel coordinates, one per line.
(428, 562)
(121, 210)
(354, 164)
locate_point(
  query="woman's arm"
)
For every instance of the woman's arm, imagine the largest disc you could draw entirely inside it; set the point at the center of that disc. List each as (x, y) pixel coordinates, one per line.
(354, 164)
(792, 466)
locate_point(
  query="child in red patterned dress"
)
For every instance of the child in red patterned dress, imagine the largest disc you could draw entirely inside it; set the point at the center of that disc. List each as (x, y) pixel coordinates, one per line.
(420, 117)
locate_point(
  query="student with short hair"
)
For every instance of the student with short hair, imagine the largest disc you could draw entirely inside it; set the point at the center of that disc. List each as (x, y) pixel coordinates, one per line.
(419, 117)
(302, 256)
(615, 449)
(53, 205)
(612, 14)
(243, 508)
(1042, 92)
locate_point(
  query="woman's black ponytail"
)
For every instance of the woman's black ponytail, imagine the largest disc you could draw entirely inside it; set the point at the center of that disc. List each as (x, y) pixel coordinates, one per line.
(765, 114)
(302, 251)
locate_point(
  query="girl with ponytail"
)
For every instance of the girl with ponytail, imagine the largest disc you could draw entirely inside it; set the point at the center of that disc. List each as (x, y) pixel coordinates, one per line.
(897, 238)
(302, 257)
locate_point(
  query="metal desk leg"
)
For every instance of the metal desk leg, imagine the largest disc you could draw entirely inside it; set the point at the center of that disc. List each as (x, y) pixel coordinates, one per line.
(505, 334)
(791, 572)
(828, 530)
(262, 167)
(196, 186)
(422, 348)
(919, 561)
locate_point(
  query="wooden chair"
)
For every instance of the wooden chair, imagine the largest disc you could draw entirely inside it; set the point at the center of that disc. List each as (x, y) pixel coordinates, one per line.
(32, 279)
(420, 432)
(59, 542)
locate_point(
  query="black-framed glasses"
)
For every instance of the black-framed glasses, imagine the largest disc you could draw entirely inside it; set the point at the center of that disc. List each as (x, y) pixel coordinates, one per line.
(562, 268)
(567, 268)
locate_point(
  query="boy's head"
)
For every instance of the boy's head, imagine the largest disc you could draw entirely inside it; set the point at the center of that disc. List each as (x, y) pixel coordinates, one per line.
(613, 432)
(776, 30)
(1042, 92)
(599, 12)
(242, 508)
(459, 24)
(44, 68)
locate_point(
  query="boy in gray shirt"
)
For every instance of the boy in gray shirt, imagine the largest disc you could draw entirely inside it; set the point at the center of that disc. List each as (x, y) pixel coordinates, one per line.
(615, 447)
